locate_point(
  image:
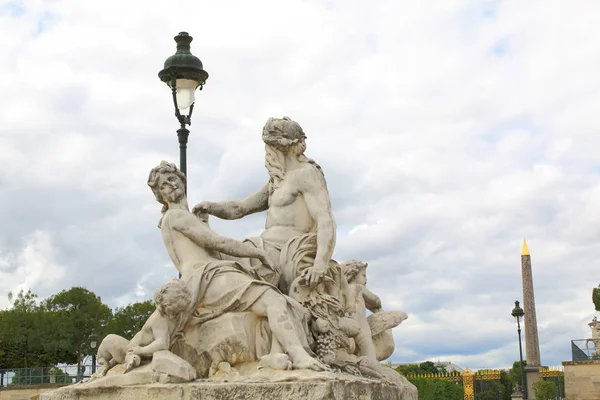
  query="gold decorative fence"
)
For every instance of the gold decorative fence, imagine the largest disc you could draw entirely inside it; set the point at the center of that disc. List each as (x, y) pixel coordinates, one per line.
(467, 378)
(551, 372)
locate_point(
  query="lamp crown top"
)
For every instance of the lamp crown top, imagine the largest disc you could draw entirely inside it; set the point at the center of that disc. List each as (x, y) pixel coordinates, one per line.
(183, 40)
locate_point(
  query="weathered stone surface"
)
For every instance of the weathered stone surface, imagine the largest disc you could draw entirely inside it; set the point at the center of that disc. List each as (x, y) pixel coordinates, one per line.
(532, 344)
(313, 390)
(165, 362)
(582, 379)
(146, 392)
(229, 338)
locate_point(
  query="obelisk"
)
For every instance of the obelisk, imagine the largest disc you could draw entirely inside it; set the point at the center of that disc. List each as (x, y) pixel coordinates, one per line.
(532, 344)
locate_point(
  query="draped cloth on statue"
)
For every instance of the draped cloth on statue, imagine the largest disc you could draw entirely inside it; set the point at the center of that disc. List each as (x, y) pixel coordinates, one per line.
(293, 257)
(327, 300)
(225, 286)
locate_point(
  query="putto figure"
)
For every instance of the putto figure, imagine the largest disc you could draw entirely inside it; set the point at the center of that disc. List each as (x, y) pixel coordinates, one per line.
(374, 339)
(300, 230)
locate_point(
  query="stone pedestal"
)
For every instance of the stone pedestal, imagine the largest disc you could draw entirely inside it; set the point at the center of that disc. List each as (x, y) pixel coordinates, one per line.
(533, 375)
(310, 390)
(582, 379)
(245, 381)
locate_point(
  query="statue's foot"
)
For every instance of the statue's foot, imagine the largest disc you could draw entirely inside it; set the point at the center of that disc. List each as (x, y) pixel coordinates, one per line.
(131, 361)
(307, 362)
(278, 361)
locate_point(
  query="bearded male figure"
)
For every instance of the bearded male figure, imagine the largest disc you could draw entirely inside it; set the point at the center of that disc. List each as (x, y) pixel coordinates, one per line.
(300, 230)
(219, 286)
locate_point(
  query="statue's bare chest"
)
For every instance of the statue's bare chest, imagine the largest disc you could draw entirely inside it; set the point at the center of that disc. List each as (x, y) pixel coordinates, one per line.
(284, 195)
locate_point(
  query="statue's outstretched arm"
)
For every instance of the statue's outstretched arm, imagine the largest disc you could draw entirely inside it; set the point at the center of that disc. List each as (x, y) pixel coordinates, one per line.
(314, 189)
(236, 209)
(204, 237)
(159, 327)
(372, 301)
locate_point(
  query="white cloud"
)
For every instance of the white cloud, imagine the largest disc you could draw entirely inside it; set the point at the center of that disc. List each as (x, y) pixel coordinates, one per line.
(33, 267)
(447, 132)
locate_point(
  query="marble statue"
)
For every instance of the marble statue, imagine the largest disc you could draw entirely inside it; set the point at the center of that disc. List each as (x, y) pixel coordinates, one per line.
(217, 286)
(272, 308)
(374, 339)
(300, 229)
(113, 351)
(595, 325)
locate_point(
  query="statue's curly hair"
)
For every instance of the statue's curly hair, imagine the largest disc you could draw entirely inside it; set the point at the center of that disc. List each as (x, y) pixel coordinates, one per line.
(164, 167)
(283, 133)
(351, 268)
(172, 298)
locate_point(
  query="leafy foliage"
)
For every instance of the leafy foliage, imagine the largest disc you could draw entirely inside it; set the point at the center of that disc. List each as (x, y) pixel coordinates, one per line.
(426, 367)
(438, 389)
(129, 320)
(37, 376)
(545, 390)
(36, 335)
(432, 389)
(83, 314)
(515, 373)
(596, 298)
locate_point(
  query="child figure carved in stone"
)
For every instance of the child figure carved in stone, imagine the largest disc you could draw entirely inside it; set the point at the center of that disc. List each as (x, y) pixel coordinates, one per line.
(374, 340)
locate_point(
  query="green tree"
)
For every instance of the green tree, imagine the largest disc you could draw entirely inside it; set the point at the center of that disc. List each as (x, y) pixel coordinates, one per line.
(408, 369)
(596, 297)
(129, 320)
(83, 313)
(438, 389)
(41, 375)
(17, 330)
(427, 367)
(492, 390)
(508, 382)
(545, 390)
(515, 373)
(31, 336)
(24, 302)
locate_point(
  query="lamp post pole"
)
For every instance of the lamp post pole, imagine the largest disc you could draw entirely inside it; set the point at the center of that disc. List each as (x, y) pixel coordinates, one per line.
(93, 344)
(518, 313)
(523, 390)
(184, 73)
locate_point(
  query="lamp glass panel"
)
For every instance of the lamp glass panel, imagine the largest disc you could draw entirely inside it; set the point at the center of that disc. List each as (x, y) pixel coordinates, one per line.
(186, 92)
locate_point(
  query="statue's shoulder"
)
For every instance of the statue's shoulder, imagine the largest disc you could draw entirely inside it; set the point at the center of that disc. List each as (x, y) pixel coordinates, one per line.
(175, 216)
(310, 170)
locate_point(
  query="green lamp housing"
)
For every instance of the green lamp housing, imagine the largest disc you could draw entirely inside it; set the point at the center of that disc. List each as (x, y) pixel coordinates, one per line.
(183, 72)
(517, 312)
(93, 340)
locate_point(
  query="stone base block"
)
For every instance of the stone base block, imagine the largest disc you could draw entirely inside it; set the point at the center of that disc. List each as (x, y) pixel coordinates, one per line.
(312, 390)
(582, 379)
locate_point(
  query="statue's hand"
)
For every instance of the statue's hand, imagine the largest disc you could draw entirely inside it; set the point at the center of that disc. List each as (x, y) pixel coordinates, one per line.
(134, 349)
(266, 260)
(314, 275)
(202, 208)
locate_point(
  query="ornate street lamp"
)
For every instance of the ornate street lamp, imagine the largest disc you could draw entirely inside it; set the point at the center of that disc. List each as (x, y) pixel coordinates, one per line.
(518, 313)
(93, 343)
(184, 73)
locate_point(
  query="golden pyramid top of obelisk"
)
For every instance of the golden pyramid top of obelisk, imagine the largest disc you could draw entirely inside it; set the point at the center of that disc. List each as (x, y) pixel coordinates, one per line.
(525, 251)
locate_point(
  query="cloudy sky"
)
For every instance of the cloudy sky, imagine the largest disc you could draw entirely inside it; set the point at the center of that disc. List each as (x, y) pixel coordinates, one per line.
(448, 131)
